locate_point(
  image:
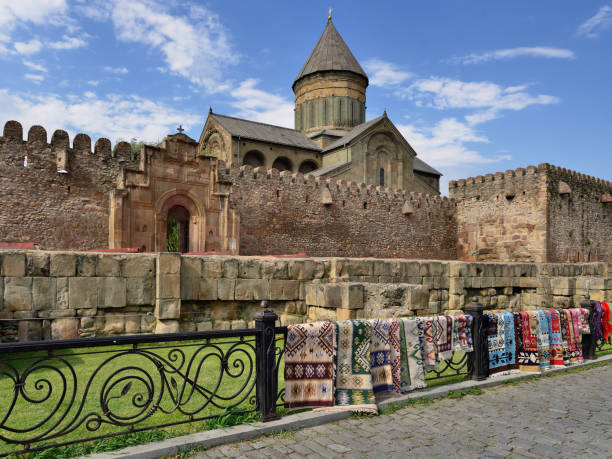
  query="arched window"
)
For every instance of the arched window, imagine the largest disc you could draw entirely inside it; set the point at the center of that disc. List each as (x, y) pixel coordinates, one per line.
(307, 166)
(253, 158)
(282, 164)
(177, 230)
(382, 177)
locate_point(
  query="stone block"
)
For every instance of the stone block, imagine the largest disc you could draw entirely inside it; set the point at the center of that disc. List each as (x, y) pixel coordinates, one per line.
(168, 286)
(191, 267)
(212, 268)
(345, 314)
(147, 323)
(458, 269)
(132, 324)
(140, 291)
(361, 267)
(29, 330)
(284, 289)
(207, 289)
(226, 289)
(252, 289)
(528, 282)
(62, 299)
(343, 295)
(83, 292)
(222, 325)
(456, 285)
(168, 309)
(17, 294)
(230, 268)
(508, 290)
(167, 326)
(187, 326)
(238, 324)
(410, 269)
(301, 269)
(316, 314)
(67, 328)
(87, 322)
(112, 292)
(108, 265)
(207, 325)
(87, 312)
(301, 308)
(276, 269)
(86, 265)
(13, 265)
(290, 319)
(456, 301)
(57, 313)
(138, 266)
(168, 263)
(114, 324)
(38, 264)
(44, 292)
(249, 268)
(62, 264)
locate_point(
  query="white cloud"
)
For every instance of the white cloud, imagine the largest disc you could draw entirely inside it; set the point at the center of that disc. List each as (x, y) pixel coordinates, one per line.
(93, 82)
(490, 98)
(35, 67)
(385, 74)
(258, 105)
(31, 47)
(596, 24)
(113, 116)
(116, 70)
(512, 53)
(68, 43)
(35, 77)
(194, 46)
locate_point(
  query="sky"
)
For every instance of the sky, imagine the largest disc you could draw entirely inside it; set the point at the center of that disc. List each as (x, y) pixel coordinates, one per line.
(475, 87)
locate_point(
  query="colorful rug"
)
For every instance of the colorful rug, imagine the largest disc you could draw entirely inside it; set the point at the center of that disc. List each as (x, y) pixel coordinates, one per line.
(556, 340)
(396, 361)
(412, 339)
(380, 359)
(404, 366)
(309, 365)
(606, 320)
(577, 327)
(518, 337)
(598, 313)
(354, 390)
(500, 338)
(430, 352)
(528, 357)
(543, 340)
(444, 337)
(565, 319)
(584, 324)
(456, 325)
(468, 344)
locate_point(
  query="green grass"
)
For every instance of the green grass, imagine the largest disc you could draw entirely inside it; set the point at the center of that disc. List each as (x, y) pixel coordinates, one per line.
(605, 350)
(448, 376)
(122, 394)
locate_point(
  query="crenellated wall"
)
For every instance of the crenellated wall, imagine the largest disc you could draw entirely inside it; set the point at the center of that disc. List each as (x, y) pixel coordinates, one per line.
(541, 214)
(288, 213)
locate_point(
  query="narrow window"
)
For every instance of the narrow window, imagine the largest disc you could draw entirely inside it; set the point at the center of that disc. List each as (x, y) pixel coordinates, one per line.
(382, 177)
(340, 111)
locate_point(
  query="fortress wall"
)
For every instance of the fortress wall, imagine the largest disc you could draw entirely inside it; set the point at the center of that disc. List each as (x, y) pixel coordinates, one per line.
(502, 216)
(283, 213)
(579, 216)
(57, 211)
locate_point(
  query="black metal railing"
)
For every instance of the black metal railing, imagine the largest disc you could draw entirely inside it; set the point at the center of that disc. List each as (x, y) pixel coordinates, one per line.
(56, 393)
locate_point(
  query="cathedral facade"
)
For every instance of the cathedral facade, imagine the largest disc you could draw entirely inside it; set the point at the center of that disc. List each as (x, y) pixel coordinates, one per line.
(331, 137)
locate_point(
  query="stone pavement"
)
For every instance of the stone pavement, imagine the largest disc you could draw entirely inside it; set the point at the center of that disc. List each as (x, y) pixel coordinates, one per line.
(561, 416)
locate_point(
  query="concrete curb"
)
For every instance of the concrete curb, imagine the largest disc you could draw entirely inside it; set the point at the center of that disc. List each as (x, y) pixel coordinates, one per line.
(218, 437)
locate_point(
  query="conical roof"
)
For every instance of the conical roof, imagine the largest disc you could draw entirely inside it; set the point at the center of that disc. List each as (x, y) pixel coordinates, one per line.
(331, 53)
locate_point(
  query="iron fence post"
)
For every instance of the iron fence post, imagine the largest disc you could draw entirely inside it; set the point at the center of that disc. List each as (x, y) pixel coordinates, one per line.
(588, 340)
(265, 361)
(478, 360)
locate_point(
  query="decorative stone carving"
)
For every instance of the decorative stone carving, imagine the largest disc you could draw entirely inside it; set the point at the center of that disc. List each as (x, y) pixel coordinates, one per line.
(564, 188)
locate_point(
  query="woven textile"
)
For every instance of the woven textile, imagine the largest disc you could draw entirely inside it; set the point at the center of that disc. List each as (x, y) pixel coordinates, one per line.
(606, 320)
(464, 333)
(309, 365)
(444, 337)
(430, 352)
(405, 369)
(597, 325)
(528, 357)
(396, 365)
(501, 341)
(584, 322)
(412, 337)
(543, 340)
(380, 358)
(556, 341)
(576, 316)
(565, 319)
(353, 379)
(456, 341)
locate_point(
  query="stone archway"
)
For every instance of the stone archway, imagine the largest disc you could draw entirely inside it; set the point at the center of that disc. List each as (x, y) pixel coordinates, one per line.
(307, 166)
(182, 208)
(177, 230)
(282, 164)
(253, 158)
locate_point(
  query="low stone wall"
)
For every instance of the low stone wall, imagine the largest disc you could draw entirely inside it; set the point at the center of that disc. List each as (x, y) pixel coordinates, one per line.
(52, 295)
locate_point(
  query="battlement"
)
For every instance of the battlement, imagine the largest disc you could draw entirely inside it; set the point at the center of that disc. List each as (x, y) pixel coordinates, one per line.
(60, 140)
(359, 191)
(569, 174)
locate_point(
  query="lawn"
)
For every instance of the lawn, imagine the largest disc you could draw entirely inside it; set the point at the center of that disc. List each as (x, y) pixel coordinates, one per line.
(85, 393)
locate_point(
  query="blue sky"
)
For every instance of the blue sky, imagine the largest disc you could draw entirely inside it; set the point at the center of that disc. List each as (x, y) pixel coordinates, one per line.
(474, 86)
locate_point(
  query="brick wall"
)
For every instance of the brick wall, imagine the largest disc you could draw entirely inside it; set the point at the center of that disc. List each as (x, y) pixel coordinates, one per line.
(284, 213)
(57, 211)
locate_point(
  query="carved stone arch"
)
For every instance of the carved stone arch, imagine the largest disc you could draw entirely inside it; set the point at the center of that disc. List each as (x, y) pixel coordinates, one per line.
(214, 145)
(197, 219)
(253, 158)
(282, 163)
(307, 166)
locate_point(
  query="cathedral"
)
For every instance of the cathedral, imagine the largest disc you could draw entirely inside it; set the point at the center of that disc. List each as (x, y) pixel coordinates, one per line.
(331, 138)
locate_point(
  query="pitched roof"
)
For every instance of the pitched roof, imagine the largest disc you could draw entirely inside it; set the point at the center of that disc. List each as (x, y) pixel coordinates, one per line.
(265, 132)
(322, 171)
(356, 131)
(422, 166)
(331, 53)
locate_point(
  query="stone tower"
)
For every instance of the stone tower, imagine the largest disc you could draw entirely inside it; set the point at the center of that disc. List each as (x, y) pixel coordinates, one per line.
(330, 90)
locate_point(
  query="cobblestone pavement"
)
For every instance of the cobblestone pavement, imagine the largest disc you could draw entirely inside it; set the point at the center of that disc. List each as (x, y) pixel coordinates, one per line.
(562, 416)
